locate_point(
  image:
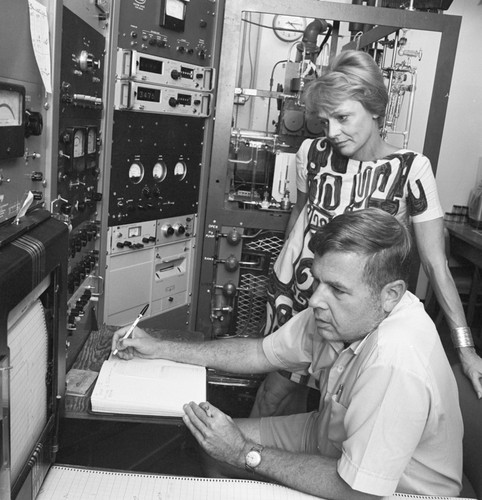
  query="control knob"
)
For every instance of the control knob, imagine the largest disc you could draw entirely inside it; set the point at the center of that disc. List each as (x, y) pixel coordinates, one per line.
(179, 229)
(167, 230)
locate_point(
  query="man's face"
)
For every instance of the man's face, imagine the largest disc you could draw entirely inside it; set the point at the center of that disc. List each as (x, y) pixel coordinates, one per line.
(345, 308)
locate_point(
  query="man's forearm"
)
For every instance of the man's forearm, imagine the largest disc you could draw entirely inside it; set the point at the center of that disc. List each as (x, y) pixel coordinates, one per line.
(235, 355)
(312, 474)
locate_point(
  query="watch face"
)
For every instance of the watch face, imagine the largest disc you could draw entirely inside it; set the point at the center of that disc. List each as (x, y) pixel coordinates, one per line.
(253, 458)
(288, 28)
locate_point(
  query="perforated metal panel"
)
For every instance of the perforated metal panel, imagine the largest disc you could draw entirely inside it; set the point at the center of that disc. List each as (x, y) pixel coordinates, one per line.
(251, 305)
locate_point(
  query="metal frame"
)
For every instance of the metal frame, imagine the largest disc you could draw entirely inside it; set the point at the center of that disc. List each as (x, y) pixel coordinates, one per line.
(385, 20)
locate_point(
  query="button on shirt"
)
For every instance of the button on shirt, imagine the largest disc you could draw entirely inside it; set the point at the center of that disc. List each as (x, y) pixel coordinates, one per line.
(389, 403)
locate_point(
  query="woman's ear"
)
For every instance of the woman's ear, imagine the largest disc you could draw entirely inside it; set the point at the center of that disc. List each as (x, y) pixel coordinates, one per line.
(392, 293)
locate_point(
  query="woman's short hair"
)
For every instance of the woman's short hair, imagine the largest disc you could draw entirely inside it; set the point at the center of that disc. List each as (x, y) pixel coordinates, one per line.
(380, 237)
(353, 74)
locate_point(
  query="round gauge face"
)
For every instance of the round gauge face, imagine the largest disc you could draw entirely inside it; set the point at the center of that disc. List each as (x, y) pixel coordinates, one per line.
(180, 170)
(136, 173)
(78, 150)
(91, 141)
(288, 28)
(159, 171)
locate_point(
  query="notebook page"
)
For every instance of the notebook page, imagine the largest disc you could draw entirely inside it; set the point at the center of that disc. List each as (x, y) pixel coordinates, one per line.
(147, 386)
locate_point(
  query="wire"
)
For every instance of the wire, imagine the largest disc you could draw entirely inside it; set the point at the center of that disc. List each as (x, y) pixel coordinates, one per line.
(272, 27)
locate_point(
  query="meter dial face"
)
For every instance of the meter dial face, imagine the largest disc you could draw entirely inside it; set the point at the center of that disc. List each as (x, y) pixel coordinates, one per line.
(136, 173)
(180, 170)
(91, 141)
(79, 141)
(10, 108)
(176, 9)
(159, 171)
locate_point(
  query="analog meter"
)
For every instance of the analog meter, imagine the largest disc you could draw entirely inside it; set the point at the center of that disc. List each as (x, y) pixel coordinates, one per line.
(12, 120)
(92, 140)
(159, 171)
(79, 143)
(92, 147)
(136, 172)
(173, 14)
(72, 148)
(180, 170)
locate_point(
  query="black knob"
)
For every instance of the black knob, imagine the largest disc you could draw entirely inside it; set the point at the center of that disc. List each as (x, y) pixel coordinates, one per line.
(175, 74)
(33, 123)
(229, 289)
(231, 264)
(234, 237)
(66, 208)
(172, 102)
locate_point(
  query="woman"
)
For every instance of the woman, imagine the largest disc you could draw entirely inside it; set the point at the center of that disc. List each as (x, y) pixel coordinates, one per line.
(350, 168)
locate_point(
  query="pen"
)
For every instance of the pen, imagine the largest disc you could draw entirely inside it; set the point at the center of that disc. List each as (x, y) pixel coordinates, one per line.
(131, 329)
(339, 392)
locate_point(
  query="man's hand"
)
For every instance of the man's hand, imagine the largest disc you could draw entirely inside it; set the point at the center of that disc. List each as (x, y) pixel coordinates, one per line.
(139, 344)
(216, 433)
(472, 366)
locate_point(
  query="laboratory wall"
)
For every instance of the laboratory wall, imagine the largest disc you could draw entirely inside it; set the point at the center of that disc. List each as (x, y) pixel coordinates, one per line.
(460, 165)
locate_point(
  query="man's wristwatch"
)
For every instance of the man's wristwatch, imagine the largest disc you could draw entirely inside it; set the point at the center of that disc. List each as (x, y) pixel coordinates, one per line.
(253, 457)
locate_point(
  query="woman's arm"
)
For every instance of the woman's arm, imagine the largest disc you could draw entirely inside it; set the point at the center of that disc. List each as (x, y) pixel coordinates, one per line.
(301, 199)
(430, 241)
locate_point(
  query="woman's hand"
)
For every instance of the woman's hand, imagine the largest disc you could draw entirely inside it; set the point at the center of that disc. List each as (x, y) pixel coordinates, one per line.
(472, 366)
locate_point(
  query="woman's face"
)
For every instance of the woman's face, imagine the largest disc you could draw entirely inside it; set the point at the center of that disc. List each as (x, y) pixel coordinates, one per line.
(352, 130)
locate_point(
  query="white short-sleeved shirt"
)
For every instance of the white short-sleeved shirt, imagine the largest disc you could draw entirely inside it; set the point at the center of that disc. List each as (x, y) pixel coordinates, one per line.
(389, 406)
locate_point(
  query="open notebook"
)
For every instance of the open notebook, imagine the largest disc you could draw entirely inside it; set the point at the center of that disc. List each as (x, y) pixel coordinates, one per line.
(147, 387)
(78, 484)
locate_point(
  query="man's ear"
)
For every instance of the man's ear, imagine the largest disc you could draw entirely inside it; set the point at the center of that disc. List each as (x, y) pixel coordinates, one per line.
(392, 293)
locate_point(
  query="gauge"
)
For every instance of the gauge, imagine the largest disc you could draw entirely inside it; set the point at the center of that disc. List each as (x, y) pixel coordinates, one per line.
(79, 141)
(11, 108)
(159, 171)
(136, 172)
(134, 232)
(91, 140)
(12, 130)
(176, 9)
(180, 170)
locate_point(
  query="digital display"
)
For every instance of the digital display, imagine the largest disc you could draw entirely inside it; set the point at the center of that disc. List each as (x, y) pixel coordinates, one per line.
(148, 94)
(184, 99)
(150, 65)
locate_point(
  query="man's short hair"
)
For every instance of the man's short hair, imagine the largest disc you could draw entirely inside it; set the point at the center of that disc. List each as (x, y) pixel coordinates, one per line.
(377, 235)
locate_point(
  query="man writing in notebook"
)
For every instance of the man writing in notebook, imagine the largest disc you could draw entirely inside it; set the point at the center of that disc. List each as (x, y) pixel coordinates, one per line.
(389, 419)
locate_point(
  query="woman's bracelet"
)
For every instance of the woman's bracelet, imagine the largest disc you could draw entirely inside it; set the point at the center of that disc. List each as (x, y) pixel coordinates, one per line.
(462, 337)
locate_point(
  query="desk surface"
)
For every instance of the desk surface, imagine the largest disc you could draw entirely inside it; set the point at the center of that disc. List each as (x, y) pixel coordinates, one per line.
(465, 232)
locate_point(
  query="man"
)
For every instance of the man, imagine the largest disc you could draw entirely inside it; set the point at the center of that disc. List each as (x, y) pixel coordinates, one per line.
(389, 418)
